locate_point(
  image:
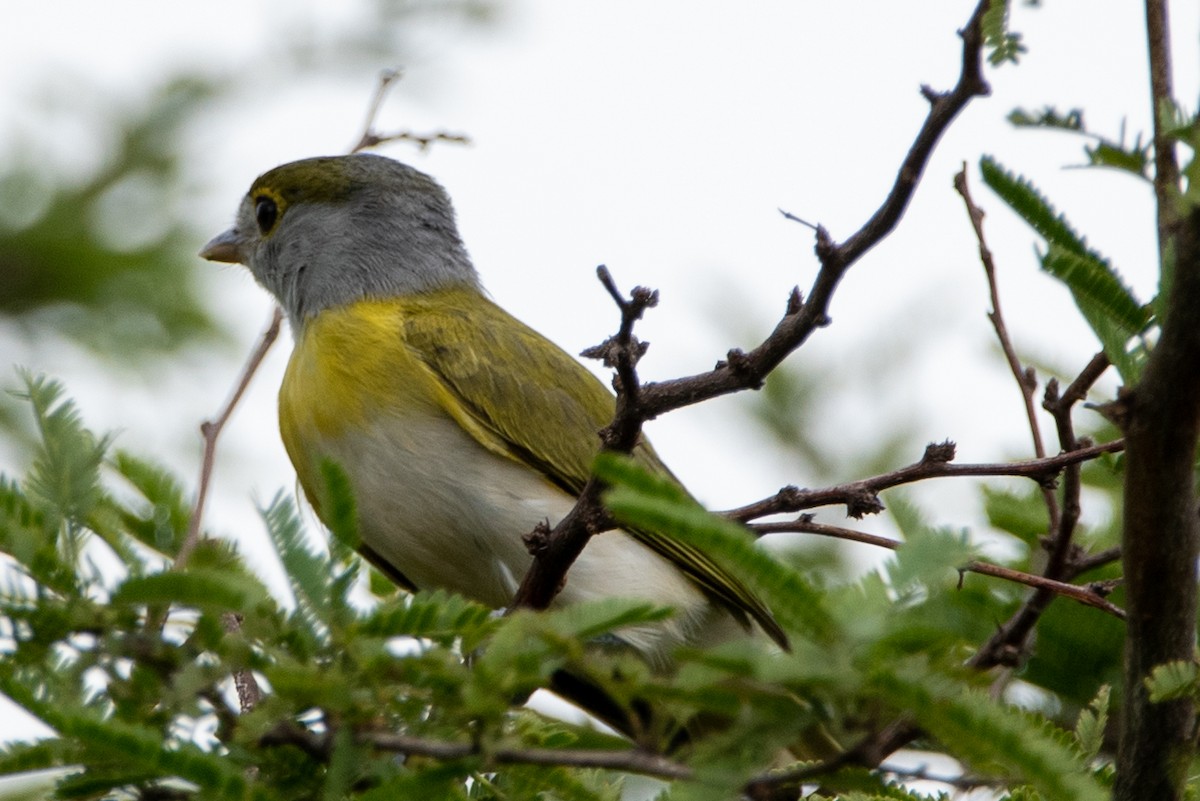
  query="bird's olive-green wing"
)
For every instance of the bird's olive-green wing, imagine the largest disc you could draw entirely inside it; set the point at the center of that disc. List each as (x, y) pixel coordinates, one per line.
(524, 397)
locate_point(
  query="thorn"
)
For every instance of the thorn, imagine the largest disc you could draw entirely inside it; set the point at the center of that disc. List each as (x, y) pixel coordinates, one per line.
(787, 215)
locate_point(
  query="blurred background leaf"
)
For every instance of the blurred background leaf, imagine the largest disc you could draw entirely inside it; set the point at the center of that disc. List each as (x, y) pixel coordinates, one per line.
(104, 259)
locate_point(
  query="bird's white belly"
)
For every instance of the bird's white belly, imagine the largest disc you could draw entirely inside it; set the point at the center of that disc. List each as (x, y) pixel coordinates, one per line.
(447, 513)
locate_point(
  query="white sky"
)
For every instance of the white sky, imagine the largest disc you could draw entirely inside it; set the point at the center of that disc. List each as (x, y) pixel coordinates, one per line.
(659, 139)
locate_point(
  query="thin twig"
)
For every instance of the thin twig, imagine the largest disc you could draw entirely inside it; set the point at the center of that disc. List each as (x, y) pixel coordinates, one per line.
(862, 497)
(387, 77)
(629, 760)
(554, 551)
(211, 430)
(248, 691)
(371, 138)
(624, 760)
(422, 141)
(869, 753)
(1089, 595)
(1026, 378)
(742, 370)
(1008, 643)
(1078, 389)
(1083, 564)
(748, 370)
(962, 782)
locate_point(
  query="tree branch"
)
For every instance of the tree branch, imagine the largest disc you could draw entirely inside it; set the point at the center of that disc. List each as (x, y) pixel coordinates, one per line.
(748, 370)
(1092, 595)
(210, 430)
(318, 746)
(1026, 378)
(554, 551)
(625, 760)
(862, 497)
(370, 137)
(1161, 418)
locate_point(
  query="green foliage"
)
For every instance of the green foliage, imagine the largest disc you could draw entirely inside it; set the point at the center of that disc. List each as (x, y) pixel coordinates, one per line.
(641, 498)
(1108, 305)
(1133, 158)
(1048, 117)
(131, 667)
(1174, 680)
(1002, 45)
(1089, 729)
(107, 258)
(1015, 743)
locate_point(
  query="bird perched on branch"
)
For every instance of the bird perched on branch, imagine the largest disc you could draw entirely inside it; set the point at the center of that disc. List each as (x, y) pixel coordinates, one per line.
(458, 427)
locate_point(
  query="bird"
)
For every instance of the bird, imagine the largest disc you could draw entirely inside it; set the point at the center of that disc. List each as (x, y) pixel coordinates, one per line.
(458, 428)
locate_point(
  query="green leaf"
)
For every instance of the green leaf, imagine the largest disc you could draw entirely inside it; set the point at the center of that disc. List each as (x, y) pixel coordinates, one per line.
(65, 475)
(645, 500)
(108, 258)
(163, 524)
(339, 509)
(135, 748)
(218, 591)
(309, 573)
(1001, 44)
(1048, 117)
(930, 556)
(438, 616)
(1022, 514)
(986, 734)
(1134, 160)
(1173, 680)
(1106, 302)
(1089, 729)
(24, 757)
(586, 621)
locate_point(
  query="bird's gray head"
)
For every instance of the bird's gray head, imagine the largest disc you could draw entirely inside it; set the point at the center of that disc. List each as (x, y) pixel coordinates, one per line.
(325, 232)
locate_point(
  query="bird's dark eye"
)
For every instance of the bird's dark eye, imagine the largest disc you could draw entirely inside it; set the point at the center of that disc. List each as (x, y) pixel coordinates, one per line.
(265, 213)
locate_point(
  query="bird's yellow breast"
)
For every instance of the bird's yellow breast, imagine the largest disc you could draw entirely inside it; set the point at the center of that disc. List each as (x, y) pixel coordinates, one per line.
(350, 367)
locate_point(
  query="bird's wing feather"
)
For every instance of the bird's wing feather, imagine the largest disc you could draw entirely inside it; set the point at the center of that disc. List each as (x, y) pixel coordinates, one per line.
(470, 343)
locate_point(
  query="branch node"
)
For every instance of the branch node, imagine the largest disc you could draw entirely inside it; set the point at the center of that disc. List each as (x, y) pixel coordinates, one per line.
(1119, 411)
(931, 94)
(825, 248)
(610, 350)
(1103, 588)
(1029, 379)
(1048, 482)
(939, 453)
(737, 361)
(537, 542)
(1051, 397)
(863, 503)
(795, 302)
